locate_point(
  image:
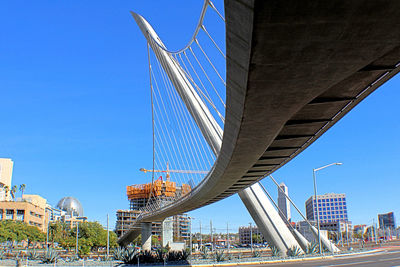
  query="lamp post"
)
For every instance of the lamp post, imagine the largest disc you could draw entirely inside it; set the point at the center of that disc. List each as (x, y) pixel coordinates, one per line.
(190, 233)
(108, 240)
(316, 201)
(251, 238)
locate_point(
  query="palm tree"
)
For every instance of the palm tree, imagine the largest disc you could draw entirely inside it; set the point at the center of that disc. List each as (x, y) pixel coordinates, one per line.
(13, 191)
(22, 188)
(6, 189)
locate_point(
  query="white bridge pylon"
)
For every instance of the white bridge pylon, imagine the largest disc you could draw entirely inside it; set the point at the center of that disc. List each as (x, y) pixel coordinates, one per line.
(264, 214)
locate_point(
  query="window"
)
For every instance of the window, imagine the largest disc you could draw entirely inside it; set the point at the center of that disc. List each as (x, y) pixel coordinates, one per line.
(20, 215)
(9, 214)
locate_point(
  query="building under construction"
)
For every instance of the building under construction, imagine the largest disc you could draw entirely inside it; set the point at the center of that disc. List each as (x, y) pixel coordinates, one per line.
(157, 193)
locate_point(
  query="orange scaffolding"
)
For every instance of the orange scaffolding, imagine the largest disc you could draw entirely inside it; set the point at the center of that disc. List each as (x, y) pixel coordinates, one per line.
(157, 188)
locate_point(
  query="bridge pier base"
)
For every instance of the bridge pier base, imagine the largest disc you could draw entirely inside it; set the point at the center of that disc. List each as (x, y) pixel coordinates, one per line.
(267, 219)
(326, 243)
(167, 232)
(146, 236)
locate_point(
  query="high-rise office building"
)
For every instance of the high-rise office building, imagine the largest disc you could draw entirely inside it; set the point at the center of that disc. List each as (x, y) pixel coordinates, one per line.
(283, 202)
(387, 220)
(331, 207)
(6, 168)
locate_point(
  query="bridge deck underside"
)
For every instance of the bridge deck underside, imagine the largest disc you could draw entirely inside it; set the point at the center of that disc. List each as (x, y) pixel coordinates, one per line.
(293, 70)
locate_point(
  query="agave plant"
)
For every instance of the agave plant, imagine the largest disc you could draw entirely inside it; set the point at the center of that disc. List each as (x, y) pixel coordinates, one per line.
(147, 257)
(275, 251)
(294, 251)
(130, 256)
(185, 255)
(219, 255)
(33, 255)
(50, 256)
(256, 253)
(118, 253)
(173, 256)
(204, 253)
(312, 248)
(72, 258)
(2, 254)
(162, 254)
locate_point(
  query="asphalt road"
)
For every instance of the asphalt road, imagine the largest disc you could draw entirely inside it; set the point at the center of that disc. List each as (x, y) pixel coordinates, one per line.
(388, 257)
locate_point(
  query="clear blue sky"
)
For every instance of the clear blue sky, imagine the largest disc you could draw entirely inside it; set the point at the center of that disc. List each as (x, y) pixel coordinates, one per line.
(75, 108)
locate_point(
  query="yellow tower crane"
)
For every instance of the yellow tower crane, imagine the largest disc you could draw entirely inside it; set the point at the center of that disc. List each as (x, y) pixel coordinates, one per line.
(167, 171)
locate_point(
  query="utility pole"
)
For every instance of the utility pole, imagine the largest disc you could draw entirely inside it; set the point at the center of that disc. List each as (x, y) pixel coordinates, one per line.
(47, 236)
(108, 240)
(211, 236)
(190, 238)
(347, 234)
(251, 238)
(77, 231)
(227, 236)
(201, 237)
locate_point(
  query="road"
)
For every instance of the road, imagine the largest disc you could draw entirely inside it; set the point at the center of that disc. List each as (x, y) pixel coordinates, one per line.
(387, 257)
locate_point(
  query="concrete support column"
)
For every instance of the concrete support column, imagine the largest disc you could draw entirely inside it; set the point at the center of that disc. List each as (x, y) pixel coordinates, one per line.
(267, 219)
(303, 242)
(146, 236)
(324, 240)
(167, 232)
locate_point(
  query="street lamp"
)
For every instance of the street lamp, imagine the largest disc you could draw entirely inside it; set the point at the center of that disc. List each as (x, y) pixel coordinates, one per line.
(190, 233)
(316, 202)
(251, 237)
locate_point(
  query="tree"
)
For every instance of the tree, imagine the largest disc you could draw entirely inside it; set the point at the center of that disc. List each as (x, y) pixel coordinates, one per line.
(155, 241)
(91, 236)
(13, 191)
(22, 189)
(257, 238)
(18, 231)
(7, 190)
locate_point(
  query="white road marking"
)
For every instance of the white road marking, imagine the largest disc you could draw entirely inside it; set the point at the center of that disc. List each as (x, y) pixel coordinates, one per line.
(349, 263)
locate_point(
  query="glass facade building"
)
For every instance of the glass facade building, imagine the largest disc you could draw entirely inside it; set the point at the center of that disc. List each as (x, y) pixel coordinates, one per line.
(387, 221)
(332, 207)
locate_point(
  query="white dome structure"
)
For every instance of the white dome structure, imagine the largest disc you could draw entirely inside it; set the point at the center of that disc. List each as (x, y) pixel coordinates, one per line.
(71, 206)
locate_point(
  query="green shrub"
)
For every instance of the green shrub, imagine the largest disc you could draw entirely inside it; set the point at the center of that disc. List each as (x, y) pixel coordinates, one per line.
(204, 253)
(118, 254)
(50, 256)
(256, 253)
(219, 255)
(275, 251)
(130, 256)
(294, 251)
(312, 248)
(33, 255)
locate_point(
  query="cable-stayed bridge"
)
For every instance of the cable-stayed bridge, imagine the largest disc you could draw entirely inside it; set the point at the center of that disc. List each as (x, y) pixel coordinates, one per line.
(242, 106)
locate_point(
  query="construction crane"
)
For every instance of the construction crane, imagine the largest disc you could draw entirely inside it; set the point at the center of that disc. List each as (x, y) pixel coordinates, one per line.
(167, 171)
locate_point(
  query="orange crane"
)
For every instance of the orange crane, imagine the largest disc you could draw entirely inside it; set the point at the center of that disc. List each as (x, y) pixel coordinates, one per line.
(167, 171)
